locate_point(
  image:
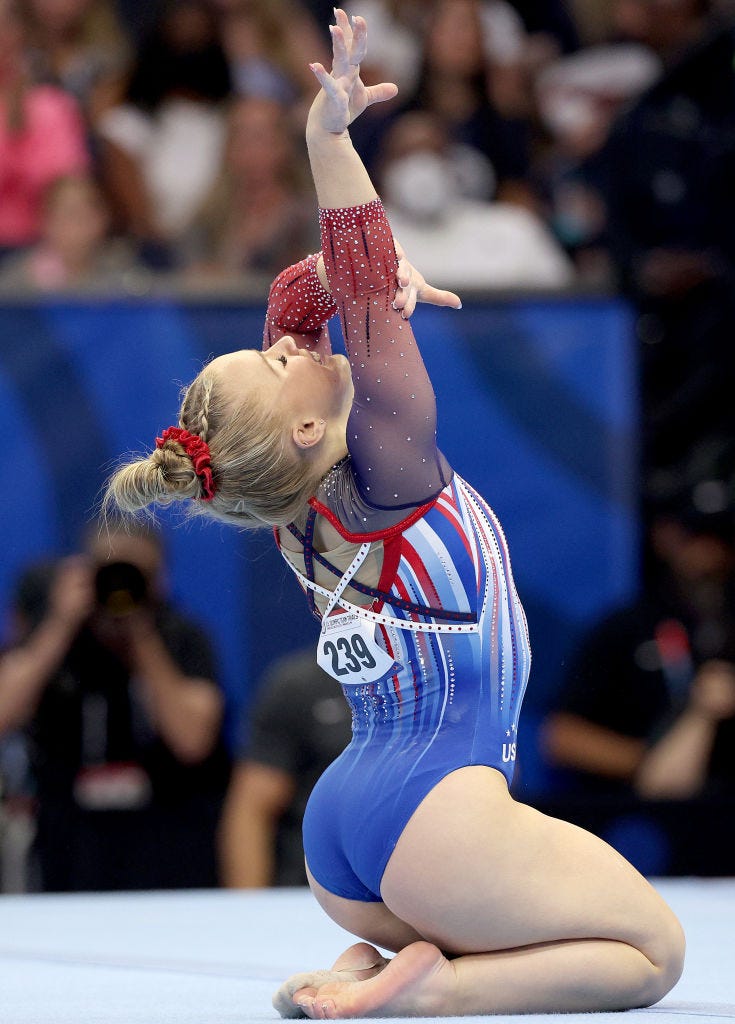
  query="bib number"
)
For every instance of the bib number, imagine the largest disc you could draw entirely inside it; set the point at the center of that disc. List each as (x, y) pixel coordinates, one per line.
(349, 652)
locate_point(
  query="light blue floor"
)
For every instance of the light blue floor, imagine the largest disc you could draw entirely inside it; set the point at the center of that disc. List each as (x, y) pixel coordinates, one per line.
(215, 958)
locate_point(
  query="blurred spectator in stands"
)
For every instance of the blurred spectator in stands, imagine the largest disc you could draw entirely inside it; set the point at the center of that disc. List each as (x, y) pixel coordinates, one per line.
(396, 28)
(578, 97)
(551, 24)
(298, 725)
(161, 149)
(41, 137)
(594, 20)
(649, 705)
(117, 694)
(260, 216)
(464, 242)
(264, 41)
(75, 250)
(670, 193)
(456, 85)
(80, 46)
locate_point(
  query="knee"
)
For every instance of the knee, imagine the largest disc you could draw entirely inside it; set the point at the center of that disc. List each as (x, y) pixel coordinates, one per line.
(667, 960)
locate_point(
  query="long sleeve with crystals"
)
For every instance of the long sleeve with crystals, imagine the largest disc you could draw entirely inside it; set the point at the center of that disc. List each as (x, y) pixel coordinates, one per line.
(391, 433)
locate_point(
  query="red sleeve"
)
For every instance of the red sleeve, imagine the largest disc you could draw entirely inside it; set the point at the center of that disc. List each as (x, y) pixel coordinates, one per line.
(358, 249)
(299, 305)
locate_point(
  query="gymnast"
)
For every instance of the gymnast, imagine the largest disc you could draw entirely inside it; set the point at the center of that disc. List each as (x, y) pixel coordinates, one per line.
(413, 842)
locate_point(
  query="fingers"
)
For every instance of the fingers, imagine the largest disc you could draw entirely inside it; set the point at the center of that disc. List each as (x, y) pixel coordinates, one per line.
(358, 49)
(380, 93)
(405, 298)
(340, 52)
(439, 297)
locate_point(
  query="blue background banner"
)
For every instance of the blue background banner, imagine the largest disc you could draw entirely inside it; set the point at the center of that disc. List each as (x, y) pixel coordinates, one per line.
(537, 409)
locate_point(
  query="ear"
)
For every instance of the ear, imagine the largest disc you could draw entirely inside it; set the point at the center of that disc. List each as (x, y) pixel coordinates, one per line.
(308, 434)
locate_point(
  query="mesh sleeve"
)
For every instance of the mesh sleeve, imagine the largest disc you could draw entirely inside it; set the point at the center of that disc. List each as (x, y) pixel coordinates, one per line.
(391, 433)
(298, 305)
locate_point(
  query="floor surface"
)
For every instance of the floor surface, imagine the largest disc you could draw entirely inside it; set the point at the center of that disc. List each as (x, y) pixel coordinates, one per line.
(216, 957)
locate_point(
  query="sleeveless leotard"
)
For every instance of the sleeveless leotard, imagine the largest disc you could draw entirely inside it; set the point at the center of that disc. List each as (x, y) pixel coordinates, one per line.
(441, 570)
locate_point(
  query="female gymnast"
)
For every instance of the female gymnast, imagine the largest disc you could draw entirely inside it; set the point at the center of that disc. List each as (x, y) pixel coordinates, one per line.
(412, 839)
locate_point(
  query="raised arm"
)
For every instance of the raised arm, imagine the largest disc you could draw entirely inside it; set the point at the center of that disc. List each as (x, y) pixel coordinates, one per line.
(391, 432)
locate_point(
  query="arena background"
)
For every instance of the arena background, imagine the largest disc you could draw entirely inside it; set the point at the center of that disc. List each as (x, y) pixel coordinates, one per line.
(537, 401)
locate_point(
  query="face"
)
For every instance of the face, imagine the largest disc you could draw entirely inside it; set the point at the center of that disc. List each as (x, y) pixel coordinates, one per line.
(76, 219)
(59, 16)
(294, 381)
(455, 42)
(259, 145)
(139, 551)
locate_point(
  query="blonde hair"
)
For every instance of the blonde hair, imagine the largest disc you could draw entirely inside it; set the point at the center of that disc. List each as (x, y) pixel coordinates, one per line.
(260, 478)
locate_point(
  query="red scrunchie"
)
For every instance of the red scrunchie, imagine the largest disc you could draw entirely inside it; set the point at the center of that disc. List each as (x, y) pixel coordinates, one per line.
(198, 451)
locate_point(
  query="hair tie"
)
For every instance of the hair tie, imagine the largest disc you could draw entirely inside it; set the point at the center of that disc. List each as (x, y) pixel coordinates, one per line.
(198, 451)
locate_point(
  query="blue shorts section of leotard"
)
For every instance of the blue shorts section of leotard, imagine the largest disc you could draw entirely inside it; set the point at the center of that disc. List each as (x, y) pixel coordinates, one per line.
(455, 701)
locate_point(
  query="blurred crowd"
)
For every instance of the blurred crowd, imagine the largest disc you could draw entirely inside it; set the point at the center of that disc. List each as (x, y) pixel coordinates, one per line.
(146, 139)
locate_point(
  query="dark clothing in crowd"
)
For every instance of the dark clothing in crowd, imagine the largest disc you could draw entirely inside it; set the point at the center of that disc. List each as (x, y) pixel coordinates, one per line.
(633, 675)
(299, 724)
(116, 809)
(671, 195)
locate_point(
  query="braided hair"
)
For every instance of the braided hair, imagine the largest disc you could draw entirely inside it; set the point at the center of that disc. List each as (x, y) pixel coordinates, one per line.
(260, 478)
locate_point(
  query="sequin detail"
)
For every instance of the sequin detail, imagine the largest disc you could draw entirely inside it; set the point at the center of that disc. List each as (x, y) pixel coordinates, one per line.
(393, 418)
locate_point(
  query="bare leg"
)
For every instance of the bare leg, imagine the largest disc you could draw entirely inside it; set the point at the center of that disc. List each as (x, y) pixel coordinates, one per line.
(539, 916)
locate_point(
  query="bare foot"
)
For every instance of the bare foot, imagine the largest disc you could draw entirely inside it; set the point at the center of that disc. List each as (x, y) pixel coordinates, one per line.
(418, 982)
(358, 963)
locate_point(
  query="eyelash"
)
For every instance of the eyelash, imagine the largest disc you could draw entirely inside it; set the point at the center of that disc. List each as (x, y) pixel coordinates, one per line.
(282, 360)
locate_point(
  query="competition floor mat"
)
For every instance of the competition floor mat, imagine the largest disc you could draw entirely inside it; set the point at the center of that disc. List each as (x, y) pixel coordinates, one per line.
(216, 957)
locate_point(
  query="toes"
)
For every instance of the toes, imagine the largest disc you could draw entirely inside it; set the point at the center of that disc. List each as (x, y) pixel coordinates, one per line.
(283, 1000)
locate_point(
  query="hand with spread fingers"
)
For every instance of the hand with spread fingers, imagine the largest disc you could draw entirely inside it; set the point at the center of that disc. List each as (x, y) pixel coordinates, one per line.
(344, 95)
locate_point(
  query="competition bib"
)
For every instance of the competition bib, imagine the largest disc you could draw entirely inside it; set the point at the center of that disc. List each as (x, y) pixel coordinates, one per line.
(349, 652)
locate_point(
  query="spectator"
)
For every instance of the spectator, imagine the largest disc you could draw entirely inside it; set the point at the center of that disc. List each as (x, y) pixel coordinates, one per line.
(649, 705)
(298, 725)
(551, 21)
(671, 207)
(396, 27)
(80, 46)
(456, 85)
(41, 137)
(117, 694)
(162, 147)
(464, 243)
(578, 97)
(260, 217)
(75, 250)
(262, 39)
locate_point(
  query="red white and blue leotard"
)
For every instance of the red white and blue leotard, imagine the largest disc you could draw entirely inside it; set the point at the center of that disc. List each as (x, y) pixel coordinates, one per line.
(440, 589)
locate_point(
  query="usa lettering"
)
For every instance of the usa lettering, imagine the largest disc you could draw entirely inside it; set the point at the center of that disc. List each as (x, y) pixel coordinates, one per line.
(509, 752)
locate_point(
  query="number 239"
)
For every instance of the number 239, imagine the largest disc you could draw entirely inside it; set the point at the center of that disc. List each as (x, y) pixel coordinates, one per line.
(348, 654)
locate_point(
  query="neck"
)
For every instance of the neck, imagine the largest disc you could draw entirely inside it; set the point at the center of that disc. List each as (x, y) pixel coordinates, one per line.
(333, 451)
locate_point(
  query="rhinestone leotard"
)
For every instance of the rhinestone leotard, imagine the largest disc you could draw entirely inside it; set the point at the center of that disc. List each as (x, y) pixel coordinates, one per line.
(455, 697)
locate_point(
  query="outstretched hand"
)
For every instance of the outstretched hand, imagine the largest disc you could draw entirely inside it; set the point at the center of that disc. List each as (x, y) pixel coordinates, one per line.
(412, 288)
(344, 95)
